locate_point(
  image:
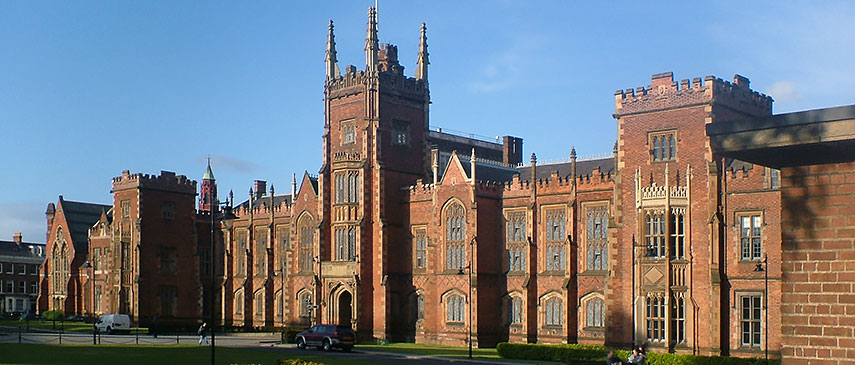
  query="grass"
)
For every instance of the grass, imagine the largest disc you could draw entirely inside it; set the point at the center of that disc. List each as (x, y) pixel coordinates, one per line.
(433, 350)
(154, 355)
(440, 351)
(68, 326)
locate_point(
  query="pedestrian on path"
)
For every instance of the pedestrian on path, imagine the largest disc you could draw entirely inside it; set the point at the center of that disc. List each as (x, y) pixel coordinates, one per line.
(202, 334)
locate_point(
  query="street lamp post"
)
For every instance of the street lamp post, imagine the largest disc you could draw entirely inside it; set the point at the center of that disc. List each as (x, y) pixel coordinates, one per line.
(632, 300)
(469, 298)
(764, 267)
(227, 216)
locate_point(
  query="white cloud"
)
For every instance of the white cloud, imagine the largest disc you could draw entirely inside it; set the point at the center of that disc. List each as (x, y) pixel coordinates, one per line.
(503, 69)
(230, 164)
(784, 91)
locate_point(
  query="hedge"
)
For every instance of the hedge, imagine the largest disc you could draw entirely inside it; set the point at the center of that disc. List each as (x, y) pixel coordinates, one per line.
(54, 315)
(584, 354)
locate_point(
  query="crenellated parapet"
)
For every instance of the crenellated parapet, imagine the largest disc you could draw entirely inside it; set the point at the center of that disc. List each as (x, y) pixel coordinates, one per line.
(391, 82)
(283, 209)
(419, 191)
(596, 177)
(351, 81)
(665, 93)
(166, 181)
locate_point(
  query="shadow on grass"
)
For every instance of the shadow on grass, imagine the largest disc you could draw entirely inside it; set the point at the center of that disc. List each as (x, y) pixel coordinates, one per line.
(142, 354)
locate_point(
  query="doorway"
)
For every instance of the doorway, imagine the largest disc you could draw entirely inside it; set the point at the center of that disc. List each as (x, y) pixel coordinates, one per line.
(345, 310)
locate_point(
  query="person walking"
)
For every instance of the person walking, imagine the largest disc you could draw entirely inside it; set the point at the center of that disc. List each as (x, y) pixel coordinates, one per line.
(202, 334)
(153, 328)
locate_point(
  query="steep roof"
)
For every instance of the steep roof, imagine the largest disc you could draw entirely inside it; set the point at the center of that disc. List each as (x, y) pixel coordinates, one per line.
(80, 217)
(583, 167)
(265, 200)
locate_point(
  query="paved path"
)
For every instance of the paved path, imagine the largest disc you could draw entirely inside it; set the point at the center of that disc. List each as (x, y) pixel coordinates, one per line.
(266, 342)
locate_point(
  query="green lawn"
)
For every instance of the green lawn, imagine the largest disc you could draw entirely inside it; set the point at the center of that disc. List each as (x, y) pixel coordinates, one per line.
(70, 326)
(441, 351)
(155, 355)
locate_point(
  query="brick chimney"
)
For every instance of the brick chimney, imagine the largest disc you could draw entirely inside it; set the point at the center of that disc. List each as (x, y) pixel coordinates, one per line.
(260, 188)
(512, 151)
(18, 238)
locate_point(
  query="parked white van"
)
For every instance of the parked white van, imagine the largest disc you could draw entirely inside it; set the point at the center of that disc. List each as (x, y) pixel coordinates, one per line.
(113, 323)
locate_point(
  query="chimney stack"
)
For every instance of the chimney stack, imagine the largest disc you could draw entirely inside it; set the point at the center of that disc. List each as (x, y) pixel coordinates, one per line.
(18, 238)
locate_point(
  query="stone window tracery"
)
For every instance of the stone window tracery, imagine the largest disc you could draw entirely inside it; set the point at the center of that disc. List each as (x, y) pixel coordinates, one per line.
(663, 146)
(455, 233)
(553, 312)
(516, 241)
(597, 238)
(455, 305)
(556, 237)
(307, 240)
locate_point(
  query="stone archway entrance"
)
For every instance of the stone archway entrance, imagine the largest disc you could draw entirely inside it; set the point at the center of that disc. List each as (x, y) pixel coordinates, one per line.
(345, 310)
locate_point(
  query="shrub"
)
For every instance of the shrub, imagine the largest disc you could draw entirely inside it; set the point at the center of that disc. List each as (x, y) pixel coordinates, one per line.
(574, 353)
(54, 315)
(297, 362)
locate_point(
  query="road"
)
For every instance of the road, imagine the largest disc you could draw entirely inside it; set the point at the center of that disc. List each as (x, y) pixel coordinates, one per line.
(266, 342)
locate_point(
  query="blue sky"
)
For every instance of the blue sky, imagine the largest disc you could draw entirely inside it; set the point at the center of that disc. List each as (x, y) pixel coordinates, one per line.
(91, 88)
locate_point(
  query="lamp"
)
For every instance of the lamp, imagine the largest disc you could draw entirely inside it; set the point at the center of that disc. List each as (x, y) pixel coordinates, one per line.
(764, 267)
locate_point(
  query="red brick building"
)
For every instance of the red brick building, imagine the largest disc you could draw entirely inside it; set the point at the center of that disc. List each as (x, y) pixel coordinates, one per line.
(414, 234)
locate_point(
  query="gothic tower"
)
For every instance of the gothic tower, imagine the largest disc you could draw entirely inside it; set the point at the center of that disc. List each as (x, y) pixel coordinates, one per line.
(374, 144)
(208, 190)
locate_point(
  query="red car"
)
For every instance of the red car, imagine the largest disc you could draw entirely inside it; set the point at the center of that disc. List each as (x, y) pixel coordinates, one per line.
(327, 336)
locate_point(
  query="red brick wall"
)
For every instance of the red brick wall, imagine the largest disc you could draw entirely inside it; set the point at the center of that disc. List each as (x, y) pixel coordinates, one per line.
(818, 278)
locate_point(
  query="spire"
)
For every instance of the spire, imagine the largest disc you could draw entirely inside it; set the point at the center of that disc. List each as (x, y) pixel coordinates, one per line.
(209, 174)
(573, 164)
(332, 62)
(208, 190)
(293, 186)
(371, 43)
(422, 63)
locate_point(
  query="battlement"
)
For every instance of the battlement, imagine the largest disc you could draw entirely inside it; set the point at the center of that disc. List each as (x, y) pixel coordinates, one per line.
(391, 77)
(282, 209)
(167, 181)
(351, 78)
(664, 93)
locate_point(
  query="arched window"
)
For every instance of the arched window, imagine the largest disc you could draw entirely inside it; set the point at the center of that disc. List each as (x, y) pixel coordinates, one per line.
(455, 233)
(259, 304)
(454, 308)
(554, 313)
(239, 303)
(556, 236)
(516, 240)
(597, 238)
(594, 312)
(515, 310)
(261, 252)
(307, 241)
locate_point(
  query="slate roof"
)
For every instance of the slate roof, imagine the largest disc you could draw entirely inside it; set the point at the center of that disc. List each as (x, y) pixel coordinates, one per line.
(80, 217)
(26, 252)
(265, 200)
(583, 167)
